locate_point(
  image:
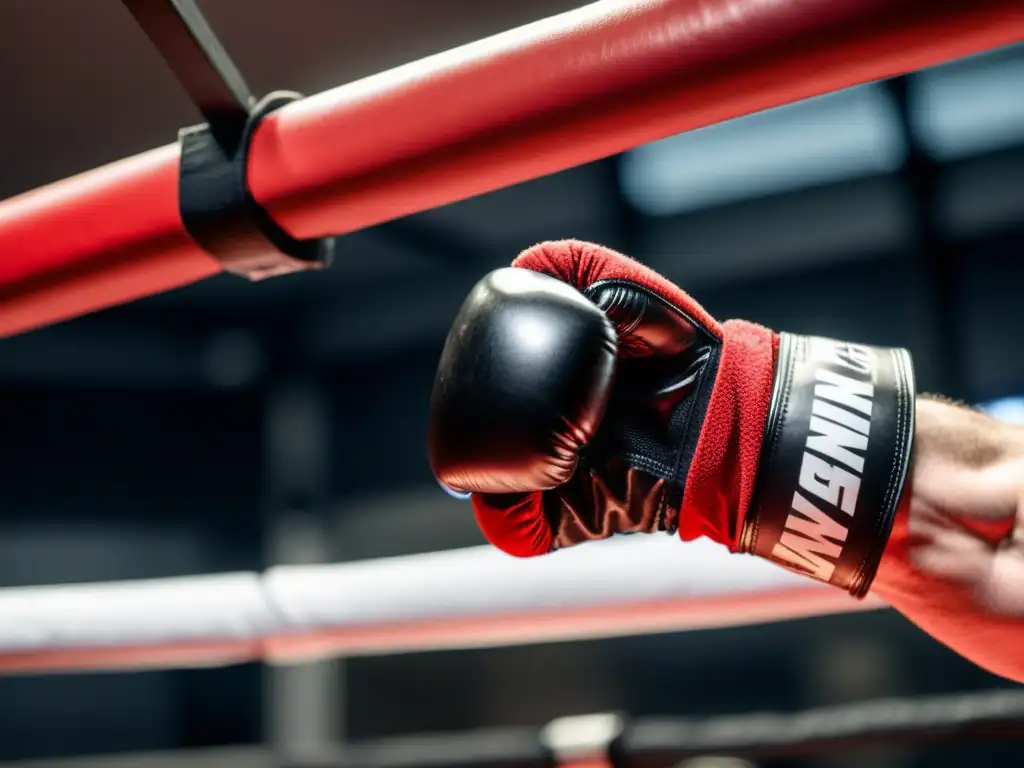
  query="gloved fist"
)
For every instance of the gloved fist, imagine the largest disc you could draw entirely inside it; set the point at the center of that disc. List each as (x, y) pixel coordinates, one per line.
(581, 395)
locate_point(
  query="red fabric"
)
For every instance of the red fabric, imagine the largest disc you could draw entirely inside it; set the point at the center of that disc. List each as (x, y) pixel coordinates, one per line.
(947, 611)
(720, 484)
(582, 264)
(514, 523)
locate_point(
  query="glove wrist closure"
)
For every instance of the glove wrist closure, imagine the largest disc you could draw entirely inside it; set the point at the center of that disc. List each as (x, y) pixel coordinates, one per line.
(834, 460)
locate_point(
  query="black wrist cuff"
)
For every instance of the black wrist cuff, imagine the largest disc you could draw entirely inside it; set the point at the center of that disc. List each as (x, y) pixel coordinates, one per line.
(219, 211)
(834, 461)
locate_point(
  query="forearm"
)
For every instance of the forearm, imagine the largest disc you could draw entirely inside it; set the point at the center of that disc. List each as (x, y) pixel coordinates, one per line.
(966, 486)
(966, 464)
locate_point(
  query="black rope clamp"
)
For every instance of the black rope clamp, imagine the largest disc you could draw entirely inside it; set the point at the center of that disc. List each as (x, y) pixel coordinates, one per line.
(219, 211)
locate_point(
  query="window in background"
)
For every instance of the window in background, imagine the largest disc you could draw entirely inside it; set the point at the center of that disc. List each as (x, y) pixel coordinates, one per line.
(970, 107)
(1009, 409)
(849, 134)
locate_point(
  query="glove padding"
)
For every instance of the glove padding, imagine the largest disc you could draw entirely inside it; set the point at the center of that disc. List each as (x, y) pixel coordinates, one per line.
(594, 397)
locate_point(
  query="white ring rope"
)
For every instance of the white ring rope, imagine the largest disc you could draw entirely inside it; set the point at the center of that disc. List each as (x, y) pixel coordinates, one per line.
(455, 599)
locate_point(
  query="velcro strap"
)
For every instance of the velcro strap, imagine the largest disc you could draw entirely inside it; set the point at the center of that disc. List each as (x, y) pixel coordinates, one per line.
(834, 461)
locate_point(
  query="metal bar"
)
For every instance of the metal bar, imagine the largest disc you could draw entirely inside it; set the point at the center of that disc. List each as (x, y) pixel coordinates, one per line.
(192, 51)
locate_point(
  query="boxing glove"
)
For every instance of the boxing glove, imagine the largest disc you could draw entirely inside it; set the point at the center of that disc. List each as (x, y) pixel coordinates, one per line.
(580, 395)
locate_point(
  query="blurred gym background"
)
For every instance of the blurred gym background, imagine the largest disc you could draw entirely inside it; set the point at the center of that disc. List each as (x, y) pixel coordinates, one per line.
(233, 426)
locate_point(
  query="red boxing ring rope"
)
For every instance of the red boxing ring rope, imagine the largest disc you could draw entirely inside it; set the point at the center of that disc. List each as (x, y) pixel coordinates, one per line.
(529, 102)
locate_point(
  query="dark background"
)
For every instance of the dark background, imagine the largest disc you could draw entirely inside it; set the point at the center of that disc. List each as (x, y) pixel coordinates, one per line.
(231, 426)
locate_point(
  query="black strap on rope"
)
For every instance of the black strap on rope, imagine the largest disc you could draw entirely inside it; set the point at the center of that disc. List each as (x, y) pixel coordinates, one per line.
(220, 213)
(216, 204)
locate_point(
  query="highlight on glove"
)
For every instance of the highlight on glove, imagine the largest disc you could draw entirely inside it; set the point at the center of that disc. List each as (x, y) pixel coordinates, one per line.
(460, 495)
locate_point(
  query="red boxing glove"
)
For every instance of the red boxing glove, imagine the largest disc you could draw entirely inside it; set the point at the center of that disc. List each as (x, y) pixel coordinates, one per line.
(581, 394)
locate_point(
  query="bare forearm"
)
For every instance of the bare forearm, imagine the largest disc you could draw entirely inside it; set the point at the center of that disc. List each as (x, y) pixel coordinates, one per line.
(953, 533)
(966, 464)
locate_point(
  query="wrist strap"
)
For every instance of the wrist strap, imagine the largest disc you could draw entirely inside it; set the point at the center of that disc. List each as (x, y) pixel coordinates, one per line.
(834, 460)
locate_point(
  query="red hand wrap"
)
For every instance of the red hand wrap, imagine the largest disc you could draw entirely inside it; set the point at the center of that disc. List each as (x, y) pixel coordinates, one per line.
(720, 485)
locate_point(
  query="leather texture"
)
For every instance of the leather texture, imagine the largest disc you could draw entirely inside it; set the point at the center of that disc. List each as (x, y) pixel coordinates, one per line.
(534, 394)
(581, 86)
(562, 92)
(631, 475)
(609, 499)
(522, 385)
(836, 456)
